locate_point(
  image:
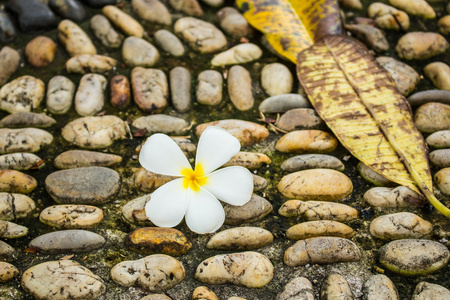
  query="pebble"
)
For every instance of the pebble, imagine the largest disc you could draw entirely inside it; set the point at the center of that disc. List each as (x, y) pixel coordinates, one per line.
(105, 32)
(89, 98)
(254, 210)
(81, 185)
(137, 52)
(318, 210)
(299, 288)
(276, 79)
(69, 9)
(201, 36)
(6, 251)
(7, 30)
(233, 22)
(10, 230)
(189, 7)
(12, 181)
(405, 77)
(249, 269)
(180, 89)
(321, 250)
(147, 181)
(388, 17)
(27, 119)
(22, 94)
(33, 15)
(60, 92)
(249, 160)
(155, 273)
(398, 197)
(153, 240)
(379, 287)
(65, 278)
(440, 158)
(413, 257)
(88, 63)
(259, 183)
(439, 139)
(67, 241)
(74, 39)
(21, 161)
(429, 291)
(160, 123)
(444, 25)
(371, 36)
(156, 296)
(248, 133)
(40, 51)
(214, 3)
(95, 132)
(312, 229)
(209, 87)
(424, 97)
(415, 7)
(152, 11)
(372, 176)
(239, 54)
(71, 216)
(439, 74)
(23, 140)
(402, 225)
(134, 211)
(120, 92)
(318, 184)
(421, 45)
(432, 117)
(240, 88)
(7, 272)
(335, 286)
(284, 103)
(304, 141)
(351, 4)
(123, 21)
(442, 180)
(9, 62)
(240, 238)
(299, 118)
(203, 293)
(168, 42)
(82, 158)
(312, 161)
(99, 3)
(15, 206)
(150, 89)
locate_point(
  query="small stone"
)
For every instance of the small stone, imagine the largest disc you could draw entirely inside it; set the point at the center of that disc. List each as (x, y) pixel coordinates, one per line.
(440, 158)
(312, 229)
(442, 180)
(123, 21)
(33, 15)
(7, 272)
(95, 132)
(240, 88)
(312, 161)
(371, 36)
(134, 211)
(12, 181)
(89, 98)
(248, 133)
(249, 269)
(156, 296)
(150, 89)
(400, 196)
(203, 293)
(405, 77)
(105, 32)
(299, 118)
(415, 7)
(259, 183)
(15, 206)
(439, 139)
(27, 119)
(160, 123)
(7, 29)
(120, 91)
(283, 103)
(233, 22)
(249, 160)
(169, 42)
(100, 3)
(276, 79)
(152, 11)
(71, 216)
(321, 250)
(60, 93)
(352, 4)
(421, 45)
(23, 94)
(429, 291)
(21, 161)
(439, 74)
(214, 3)
(9, 62)
(137, 52)
(301, 141)
(299, 288)
(388, 17)
(180, 89)
(189, 7)
(423, 97)
(254, 210)
(379, 287)
(40, 51)
(82, 158)
(402, 225)
(23, 140)
(153, 240)
(6, 251)
(75, 40)
(200, 35)
(432, 117)
(335, 286)
(67, 241)
(69, 9)
(154, 273)
(373, 177)
(318, 210)
(88, 63)
(10, 230)
(240, 238)
(148, 182)
(240, 54)
(413, 257)
(444, 25)
(209, 88)
(81, 185)
(65, 278)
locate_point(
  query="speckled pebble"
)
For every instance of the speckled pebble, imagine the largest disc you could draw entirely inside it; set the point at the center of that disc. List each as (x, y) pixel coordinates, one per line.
(27, 119)
(299, 288)
(152, 11)
(21, 161)
(15, 206)
(439, 139)
(440, 158)
(189, 7)
(89, 98)
(442, 180)
(405, 77)
(304, 141)
(388, 17)
(9, 62)
(23, 140)
(318, 210)
(22, 94)
(74, 39)
(104, 31)
(209, 87)
(88, 63)
(83, 158)
(400, 196)
(439, 74)
(240, 88)
(10, 230)
(249, 160)
(147, 181)
(430, 291)
(240, 238)
(255, 209)
(137, 52)
(299, 118)
(283, 103)
(71, 216)
(379, 287)
(335, 286)
(123, 21)
(134, 211)
(372, 176)
(12, 181)
(160, 123)
(402, 225)
(6, 251)
(312, 229)
(432, 117)
(312, 161)
(259, 183)
(203, 293)
(7, 272)
(150, 89)
(60, 92)
(371, 36)
(421, 45)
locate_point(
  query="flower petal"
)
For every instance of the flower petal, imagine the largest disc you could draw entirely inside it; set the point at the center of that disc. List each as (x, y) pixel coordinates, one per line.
(233, 185)
(160, 154)
(215, 147)
(204, 212)
(167, 204)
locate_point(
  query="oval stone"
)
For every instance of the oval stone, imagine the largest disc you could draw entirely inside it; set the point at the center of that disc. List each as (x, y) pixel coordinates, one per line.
(388, 17)
(421, 45)
(233, 22)
(372, 176)
(15, 206)
(442, 180)
(405, 77)
(254, 210)
(12, 181)
(321, 250)
(27, 119)
(299, 118)
(88, 63)
(400, 196)
(89, 98)
(439, 139)
(312, 161)
(120, 91)
(62, 279)
(259, 183)
(413, 257)
(21, 161)
(379, 287)
(416, 7)
(23, 140)
(147, 181)
(71, 216)
(22, 94)
(249, 160)
(429, 291)
(276, 79)
(154, 273)
(209, 87)
(371, 36)
(312, 229)
(283, 103)
(335, 286)
(123, 21)
(203, 293)
(160, 123)
(440, 158)
(318, 210)
(81, 185)
(137, 52)
(150, 89)
(40, 51)
(10, 230)
(298, 288)
(6, 251)
(75, 40)
(318, 184)
(7, 272)
(439, 74)
(180, 89)
(249, 269)
(239, 54)
(168, 41)
(134, 211)
(9, 61)
(152, 240)
(240, 88)
(67, 241)
(152, 11)
(301, 141)
(402, 225)
(240, 238)
(104, 31)
(83, 158)
(60, 93)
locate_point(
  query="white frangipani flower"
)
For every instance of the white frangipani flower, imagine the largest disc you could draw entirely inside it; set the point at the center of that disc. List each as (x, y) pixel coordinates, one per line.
(195, 195)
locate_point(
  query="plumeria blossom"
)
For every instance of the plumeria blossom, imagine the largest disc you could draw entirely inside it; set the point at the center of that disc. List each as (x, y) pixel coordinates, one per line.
(196, 194)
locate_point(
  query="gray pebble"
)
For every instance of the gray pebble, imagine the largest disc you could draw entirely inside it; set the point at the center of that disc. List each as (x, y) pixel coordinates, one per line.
(371, 36)
(10, 230)
(9, 62)
(15, 206)
(150, 89)
(104, 31)
(21, 161)
(405, 77)
(233, 22)
(373, 177)
(160, 123)
(240, 88)
(137, 52)
(209, 87)
(152, 11)
(180, 89)
(335, 286)
(276, 79)
(400, 196)
(379, 287)
(318, 210)
(71, 216)
(168, 41)
(423, 97)
(402, 225)
(299, 118)
(6, 251)
(27, 119)
(23, 140)
(312, 161)
(432, 117)
(439, 139)
(22, 94)
(283, 103)
(89, 98)
(259, 183)
(440, 158)
(60, 93)
(299, 288)
(254, 210)
(83, 158)
(429, 291)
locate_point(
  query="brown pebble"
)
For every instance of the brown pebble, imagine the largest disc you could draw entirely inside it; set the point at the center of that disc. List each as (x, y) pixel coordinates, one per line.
(40, 51)
(120, 91)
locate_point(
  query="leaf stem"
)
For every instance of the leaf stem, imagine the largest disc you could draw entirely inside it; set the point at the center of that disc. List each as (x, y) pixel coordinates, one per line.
(436, 203)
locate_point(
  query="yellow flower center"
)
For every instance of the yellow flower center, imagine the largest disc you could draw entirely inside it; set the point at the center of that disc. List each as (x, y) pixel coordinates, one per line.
(194, 179)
